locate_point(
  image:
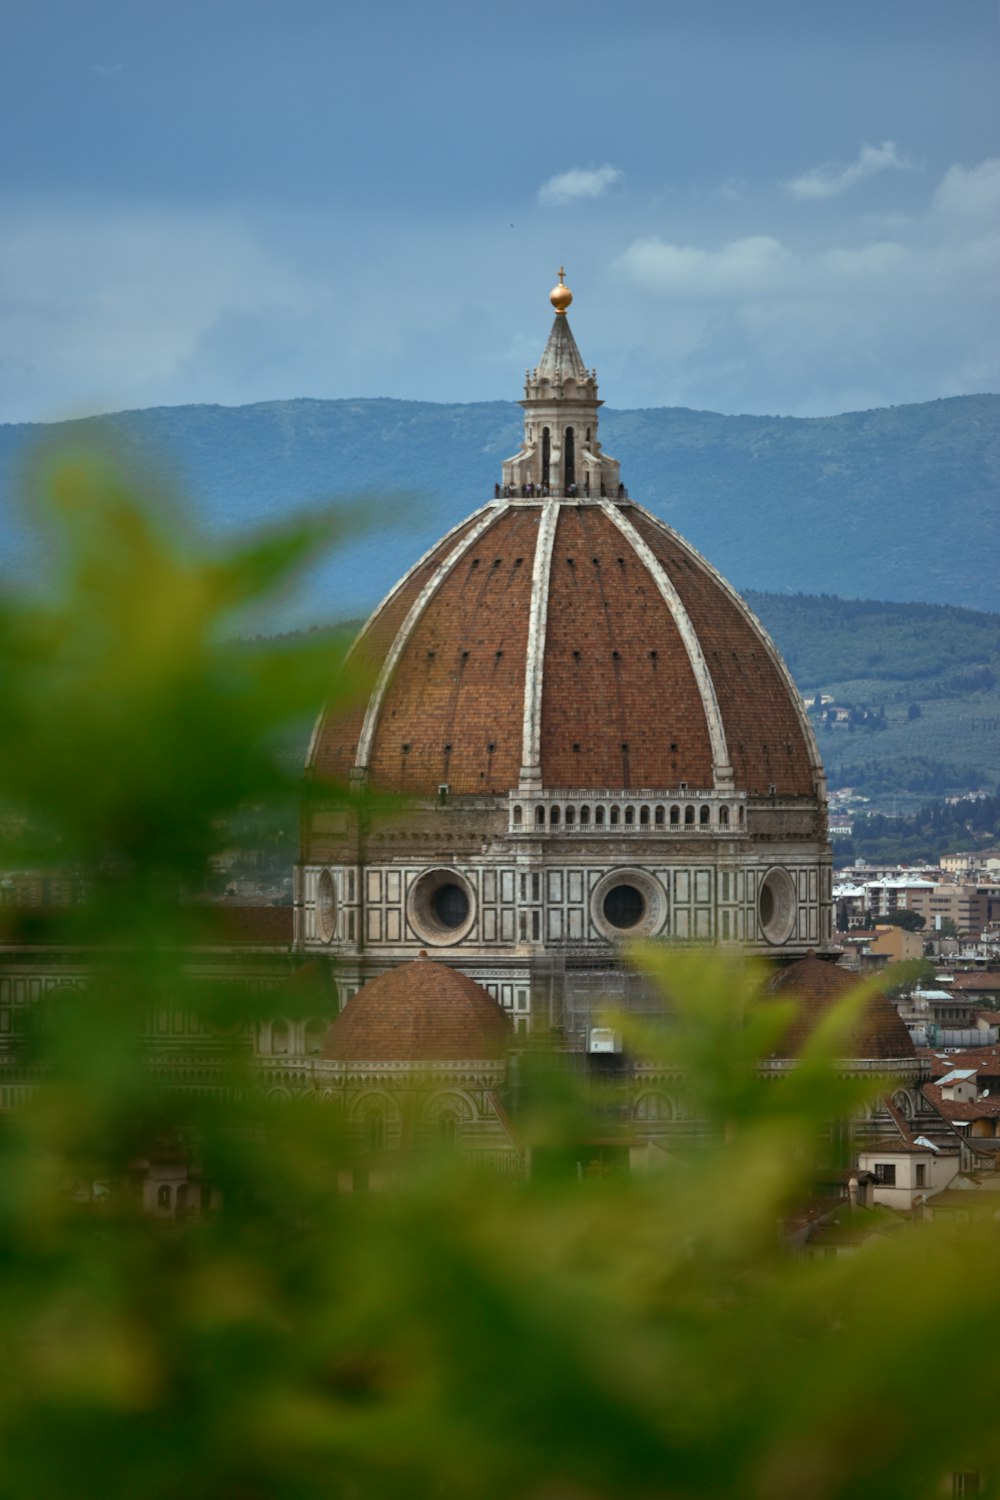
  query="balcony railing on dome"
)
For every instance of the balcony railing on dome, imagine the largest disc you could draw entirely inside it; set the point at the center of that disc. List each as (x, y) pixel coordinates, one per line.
(678, 812)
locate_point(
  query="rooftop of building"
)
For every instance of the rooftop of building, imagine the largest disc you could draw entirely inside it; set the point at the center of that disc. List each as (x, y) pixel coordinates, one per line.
(420, 1012)
(817, 985)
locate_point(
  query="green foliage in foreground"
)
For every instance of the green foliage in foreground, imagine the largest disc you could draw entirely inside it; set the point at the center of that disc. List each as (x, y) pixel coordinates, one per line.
(459, 1337)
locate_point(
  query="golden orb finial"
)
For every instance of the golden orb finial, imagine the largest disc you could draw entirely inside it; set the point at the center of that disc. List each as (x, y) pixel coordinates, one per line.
(561, 296)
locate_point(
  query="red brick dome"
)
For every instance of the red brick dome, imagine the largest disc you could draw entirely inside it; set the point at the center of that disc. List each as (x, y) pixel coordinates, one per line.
(582, 639)
(817, 985)
(419, 1012)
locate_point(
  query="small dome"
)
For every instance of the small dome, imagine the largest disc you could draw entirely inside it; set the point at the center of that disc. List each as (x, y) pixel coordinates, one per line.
(419, 1012)
(817, 985)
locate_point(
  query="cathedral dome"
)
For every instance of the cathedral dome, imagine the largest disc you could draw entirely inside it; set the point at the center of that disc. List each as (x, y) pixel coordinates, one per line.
(569, 641)
(817, 985)
(419, 1012)
(590, 735)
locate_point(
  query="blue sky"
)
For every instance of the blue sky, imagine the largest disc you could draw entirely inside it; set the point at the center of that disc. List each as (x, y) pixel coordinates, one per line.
(762, 207)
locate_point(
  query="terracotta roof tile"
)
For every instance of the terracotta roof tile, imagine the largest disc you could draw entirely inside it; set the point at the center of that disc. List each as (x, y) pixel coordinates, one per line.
(419, 1012)
(817, 985)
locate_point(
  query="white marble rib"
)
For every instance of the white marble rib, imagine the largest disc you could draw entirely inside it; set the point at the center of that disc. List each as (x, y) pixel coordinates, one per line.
(819, 773)
(722, 771)
(430, 588)
(531, 752)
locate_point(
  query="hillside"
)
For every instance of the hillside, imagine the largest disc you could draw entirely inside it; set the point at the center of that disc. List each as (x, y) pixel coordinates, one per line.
(923, 682)
(898, 504)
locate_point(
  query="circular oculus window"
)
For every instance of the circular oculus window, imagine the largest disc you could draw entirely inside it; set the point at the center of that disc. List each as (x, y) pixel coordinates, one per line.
(628, 903)
(776, 904)
(441, 907)
(624, 906)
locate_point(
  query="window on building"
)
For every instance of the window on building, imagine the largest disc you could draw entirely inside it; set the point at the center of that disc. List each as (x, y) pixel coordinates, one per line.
(315, 1035)
(921, 1174)
(375, 1131)
(163, 1196)
(885, 1173)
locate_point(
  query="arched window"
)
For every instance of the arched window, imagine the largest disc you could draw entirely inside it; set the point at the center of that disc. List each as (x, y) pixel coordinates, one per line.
(614, 817)
(599, 817)
(704, 815)
(517, 816)
(689, 814)
(163, 1196)
(629, 816)
(659, 817)
(569, 457)
(654, 1107)
(447, 1128)
(723, 817)
(375, 1130)
(584, 817)
(315, 1035)
(644, 817)
(554, 816)
(570, 817)
(741, 812)
(540, 816)
(546, 454)
(675, 816)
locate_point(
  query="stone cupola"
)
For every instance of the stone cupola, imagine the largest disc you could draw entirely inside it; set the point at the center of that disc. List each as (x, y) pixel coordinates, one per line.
(561, 455)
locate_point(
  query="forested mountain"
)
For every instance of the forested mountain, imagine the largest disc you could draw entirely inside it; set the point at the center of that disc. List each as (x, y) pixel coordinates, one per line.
(921, 684)
(898, 503)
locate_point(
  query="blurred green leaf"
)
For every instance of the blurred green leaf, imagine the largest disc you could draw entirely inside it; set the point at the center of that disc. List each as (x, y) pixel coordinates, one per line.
(462, 1335)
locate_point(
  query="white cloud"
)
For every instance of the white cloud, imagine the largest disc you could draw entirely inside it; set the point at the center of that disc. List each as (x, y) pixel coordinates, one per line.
(776, 323)
(970, 191)
(578, 185)
(741, 268)
(124, 305)
(830, 179)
